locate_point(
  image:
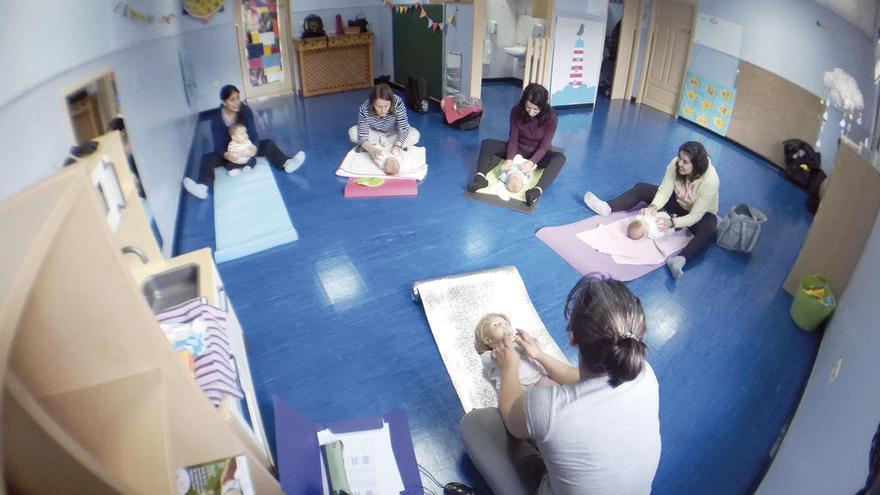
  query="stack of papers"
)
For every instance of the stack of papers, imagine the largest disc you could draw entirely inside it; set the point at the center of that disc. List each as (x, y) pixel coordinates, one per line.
(369, 461)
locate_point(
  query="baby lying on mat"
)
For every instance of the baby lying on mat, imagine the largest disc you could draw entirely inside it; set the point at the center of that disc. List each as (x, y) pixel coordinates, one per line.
(516, 173)
(386, 157)
(635, 240)
(645, 225)
(490, 330)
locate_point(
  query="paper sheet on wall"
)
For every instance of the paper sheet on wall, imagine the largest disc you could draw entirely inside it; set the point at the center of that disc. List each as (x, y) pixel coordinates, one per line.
(267, 38)
(721, 35)
(369, 460)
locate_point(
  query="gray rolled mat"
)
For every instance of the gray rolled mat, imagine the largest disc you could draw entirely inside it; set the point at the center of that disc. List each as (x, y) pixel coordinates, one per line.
(453, 306)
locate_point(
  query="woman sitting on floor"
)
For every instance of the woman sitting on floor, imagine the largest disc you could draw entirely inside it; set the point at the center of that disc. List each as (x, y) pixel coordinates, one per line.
(689, 190)
(383, 129)
(597, 432)
(233, 111)
(532, 126)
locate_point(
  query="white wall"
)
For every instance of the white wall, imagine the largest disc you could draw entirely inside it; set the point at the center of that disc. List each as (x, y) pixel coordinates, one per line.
(504, 12)
(783, 37)
(375, 12)
(826, 447)
(50, 47)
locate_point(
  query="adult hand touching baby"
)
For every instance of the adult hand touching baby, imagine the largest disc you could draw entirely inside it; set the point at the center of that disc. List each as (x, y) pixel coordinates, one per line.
(505, 353)
(506, 164)
(528, 166)
(664, 223)
(528, 343)
(649, 211)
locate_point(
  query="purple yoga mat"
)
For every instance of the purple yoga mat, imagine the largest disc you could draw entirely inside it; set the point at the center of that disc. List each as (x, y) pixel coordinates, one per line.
(563, 239)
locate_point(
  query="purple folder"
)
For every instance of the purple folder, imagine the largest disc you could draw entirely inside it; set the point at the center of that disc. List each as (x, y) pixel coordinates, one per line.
(296, 442)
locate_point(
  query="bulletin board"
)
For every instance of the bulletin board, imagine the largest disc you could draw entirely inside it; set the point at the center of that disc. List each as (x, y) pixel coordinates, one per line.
(707, 103)
(769, 110)
(843, 221)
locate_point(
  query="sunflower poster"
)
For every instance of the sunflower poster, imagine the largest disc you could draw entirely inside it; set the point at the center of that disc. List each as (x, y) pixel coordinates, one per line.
(707, 103)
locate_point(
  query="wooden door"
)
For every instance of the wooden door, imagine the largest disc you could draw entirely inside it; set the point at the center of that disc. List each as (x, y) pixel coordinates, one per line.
(627, 50)
(671, 33)
(263, 33)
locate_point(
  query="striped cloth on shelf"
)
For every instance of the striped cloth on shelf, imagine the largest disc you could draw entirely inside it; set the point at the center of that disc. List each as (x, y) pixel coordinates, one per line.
(215, 370)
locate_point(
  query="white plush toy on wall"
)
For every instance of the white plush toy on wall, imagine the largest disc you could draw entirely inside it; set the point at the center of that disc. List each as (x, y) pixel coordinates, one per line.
(843, 93)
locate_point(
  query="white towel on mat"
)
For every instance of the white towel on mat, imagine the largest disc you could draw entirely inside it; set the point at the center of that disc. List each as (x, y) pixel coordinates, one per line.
(413, 165)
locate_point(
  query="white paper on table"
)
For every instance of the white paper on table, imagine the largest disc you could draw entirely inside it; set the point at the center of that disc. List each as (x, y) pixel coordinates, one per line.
(370, 464)
(273, 77)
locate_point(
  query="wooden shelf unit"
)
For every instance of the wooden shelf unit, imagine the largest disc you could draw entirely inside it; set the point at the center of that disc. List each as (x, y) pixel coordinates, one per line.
(94, 398)
(329, 64)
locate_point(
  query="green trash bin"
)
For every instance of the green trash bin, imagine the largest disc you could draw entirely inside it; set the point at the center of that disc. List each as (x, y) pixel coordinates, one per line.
(813, 302)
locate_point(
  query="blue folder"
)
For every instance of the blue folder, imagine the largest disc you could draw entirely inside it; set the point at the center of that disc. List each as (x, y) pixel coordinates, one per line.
(296, 442)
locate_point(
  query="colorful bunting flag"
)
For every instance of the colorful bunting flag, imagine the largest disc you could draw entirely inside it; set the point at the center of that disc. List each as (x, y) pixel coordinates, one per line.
(429, 23)
(129, 12)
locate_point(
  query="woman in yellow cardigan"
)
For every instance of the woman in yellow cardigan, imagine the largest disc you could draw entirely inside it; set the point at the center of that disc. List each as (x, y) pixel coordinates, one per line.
(688, 193)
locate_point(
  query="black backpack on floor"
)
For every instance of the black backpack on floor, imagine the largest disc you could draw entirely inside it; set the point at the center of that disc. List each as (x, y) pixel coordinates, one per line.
(417, 94)
(801, 161)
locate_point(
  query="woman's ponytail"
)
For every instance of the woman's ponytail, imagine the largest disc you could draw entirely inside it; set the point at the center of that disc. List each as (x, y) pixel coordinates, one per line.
(607, 323)
(625, 360)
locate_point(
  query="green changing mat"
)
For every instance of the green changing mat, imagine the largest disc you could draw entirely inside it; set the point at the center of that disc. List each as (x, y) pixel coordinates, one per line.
(493, 179)
(516, 202)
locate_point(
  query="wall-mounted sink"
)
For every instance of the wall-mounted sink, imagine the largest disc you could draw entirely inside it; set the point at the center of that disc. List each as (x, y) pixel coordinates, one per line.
(517, 52)
(171, 287)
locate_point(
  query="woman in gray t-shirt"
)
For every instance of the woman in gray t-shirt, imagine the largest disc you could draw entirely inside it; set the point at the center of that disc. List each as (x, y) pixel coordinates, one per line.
(599, 431)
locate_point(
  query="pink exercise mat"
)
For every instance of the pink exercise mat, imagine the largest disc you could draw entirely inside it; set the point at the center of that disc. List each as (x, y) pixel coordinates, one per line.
(388, 187)
(563, 239)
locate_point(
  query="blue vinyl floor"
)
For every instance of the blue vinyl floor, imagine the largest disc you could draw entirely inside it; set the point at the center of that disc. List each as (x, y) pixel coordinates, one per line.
(331, 327)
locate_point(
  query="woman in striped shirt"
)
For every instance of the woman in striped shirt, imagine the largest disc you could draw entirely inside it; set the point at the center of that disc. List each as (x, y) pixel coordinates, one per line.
(383, 129)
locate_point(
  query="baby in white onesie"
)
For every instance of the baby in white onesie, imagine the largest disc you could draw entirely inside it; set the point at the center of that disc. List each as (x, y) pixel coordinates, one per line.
(490, 330)
(646, 226)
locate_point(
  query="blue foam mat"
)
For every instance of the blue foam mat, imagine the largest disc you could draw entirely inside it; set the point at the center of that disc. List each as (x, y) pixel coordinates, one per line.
(249, 214)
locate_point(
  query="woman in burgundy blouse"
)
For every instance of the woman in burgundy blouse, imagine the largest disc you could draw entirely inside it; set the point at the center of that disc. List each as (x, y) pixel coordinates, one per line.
(532, 126)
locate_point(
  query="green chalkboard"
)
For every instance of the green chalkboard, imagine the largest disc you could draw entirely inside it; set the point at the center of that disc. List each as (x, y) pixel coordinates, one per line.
(418, 50)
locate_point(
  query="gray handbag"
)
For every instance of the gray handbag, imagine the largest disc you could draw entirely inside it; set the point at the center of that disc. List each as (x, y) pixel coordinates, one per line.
(740, 229)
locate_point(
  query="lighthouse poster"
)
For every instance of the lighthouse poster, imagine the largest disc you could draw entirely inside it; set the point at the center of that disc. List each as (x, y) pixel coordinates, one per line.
(577, 58)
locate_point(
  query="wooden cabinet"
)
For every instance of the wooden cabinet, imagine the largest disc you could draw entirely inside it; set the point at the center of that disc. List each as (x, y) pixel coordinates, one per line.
(335, 63)
(94, 398)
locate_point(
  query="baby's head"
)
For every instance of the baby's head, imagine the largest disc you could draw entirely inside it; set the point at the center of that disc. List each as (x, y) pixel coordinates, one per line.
(637, 229)
(391, 165)
(490, 330)
(238, 133)
(515, 183)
